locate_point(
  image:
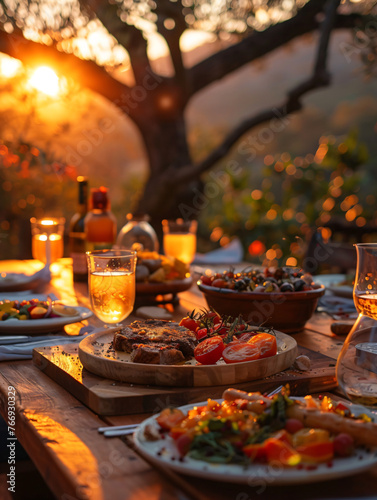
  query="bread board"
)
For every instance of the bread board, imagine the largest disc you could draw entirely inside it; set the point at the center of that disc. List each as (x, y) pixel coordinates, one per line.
(107, 397)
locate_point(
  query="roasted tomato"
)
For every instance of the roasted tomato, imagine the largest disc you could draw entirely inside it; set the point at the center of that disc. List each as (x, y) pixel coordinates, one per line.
(219, 283)
(209, 351)
(169, 418)
(190, 323)
(241, 351)
(266, 343)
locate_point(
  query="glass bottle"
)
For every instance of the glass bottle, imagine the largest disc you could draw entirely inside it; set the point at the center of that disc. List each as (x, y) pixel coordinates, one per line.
(100, 223)
(138, 230)
(77, 239)
(356, 368)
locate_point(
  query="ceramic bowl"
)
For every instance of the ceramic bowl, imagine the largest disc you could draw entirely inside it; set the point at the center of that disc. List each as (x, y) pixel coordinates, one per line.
(287, 311)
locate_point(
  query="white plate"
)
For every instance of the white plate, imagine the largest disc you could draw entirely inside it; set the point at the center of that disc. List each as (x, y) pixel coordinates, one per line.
(253, 473)
(13, 282)
(331, 283)
(43, 325)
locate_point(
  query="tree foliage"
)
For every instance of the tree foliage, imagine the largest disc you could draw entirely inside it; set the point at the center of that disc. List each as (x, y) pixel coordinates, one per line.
(64, 35)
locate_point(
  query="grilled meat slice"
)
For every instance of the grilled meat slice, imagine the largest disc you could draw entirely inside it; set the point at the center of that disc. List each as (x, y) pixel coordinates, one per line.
(157, 354)
(152, 331)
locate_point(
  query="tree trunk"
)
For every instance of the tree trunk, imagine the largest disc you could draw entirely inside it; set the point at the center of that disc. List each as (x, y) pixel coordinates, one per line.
(168, 151)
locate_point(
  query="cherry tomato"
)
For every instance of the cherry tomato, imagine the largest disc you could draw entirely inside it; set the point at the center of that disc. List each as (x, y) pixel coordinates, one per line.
(206, 280)
(266, 343)
(343, 445)
(209, 351)
(189, 323)
(201, 333)
(292, 425)
(220, 330)
(183, 444)
(241, 351)
(169, 418)
(212, 315)
(219, 283)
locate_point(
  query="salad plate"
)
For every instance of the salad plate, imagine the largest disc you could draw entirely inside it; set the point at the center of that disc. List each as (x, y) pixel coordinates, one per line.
(47, 325)
(164, 452)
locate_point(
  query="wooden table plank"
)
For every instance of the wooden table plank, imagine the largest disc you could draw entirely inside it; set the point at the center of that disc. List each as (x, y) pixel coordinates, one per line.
(61, 436)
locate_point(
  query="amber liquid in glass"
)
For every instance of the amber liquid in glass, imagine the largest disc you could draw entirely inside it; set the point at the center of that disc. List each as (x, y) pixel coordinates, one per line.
(39, 247)
(182, 246)
(112, 295)
(366, 303)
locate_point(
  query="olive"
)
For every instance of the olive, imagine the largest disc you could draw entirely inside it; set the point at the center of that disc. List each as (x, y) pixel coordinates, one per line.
(240, 285)
(271, 279)
(299, 284)
(287, 287)
(270, 287)
(5, 316)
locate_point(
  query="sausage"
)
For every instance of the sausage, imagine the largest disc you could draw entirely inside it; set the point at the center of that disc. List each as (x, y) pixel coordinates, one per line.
(233, 394)
(362, 432)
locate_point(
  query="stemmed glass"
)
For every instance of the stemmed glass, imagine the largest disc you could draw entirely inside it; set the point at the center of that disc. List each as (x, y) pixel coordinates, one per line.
(356, 368)
(112, 284)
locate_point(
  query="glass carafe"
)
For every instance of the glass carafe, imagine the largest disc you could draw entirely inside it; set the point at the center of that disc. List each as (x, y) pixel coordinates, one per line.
(356, 368)
(138, 232)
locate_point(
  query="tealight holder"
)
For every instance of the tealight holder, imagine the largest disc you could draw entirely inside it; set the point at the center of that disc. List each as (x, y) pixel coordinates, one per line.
(47, 239)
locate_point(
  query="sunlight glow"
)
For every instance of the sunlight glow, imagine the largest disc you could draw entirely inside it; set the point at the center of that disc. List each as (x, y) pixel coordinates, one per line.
(9, 67)
(45, 80)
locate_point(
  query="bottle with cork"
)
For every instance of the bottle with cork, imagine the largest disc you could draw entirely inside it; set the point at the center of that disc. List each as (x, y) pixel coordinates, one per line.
(77, 238)
(100, 223)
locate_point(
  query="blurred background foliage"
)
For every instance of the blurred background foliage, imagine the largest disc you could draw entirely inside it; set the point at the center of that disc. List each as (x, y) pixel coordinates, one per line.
(290, 198)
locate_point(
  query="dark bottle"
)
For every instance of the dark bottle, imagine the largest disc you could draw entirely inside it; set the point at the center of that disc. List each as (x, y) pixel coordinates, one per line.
(100, 223)
(77, 238)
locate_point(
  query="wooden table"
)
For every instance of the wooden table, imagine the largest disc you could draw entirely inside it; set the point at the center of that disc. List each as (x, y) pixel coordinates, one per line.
(60, 434)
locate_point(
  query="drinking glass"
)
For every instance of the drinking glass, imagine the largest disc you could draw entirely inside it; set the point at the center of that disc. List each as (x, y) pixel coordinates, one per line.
(112, 284)
(356, 368)
(180, 239)
(47, 239)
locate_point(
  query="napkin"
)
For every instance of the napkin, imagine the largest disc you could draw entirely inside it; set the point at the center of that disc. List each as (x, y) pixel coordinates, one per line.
(229, 254)
(23, 349)
(19, 281)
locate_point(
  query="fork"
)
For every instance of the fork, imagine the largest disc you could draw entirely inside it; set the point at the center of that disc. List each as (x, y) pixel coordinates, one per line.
(124, 430)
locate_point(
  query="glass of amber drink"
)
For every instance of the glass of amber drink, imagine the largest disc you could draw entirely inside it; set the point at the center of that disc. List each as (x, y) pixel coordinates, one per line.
(112, 284)
(356, 368)
(180, 239)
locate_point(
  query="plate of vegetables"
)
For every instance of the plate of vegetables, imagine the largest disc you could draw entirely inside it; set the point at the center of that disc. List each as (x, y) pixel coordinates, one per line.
(247, 437)
(28, 316)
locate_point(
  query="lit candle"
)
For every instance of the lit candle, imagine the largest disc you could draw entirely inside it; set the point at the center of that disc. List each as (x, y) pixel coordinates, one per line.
(47, 239)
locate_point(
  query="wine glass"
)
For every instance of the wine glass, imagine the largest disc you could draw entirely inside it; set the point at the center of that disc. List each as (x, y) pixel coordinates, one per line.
(356, 368)
(180, 239)
(112, 284)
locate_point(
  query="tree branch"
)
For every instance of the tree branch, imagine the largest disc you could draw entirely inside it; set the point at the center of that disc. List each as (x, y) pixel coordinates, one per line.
(88, 73)
(167, 9)
(254, 46)
(319, 78)
(127, 35)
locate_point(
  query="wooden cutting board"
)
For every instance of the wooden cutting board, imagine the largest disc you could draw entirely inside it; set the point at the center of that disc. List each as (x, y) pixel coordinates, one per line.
(98, 356)
(108, 397)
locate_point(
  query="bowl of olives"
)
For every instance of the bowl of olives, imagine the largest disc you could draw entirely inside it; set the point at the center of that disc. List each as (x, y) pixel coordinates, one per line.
(283, 298)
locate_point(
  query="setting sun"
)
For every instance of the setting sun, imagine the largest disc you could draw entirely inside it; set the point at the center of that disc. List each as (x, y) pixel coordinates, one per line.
(45, 80)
